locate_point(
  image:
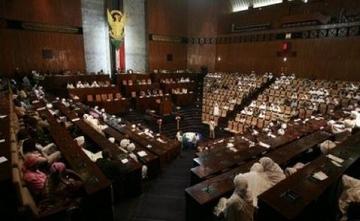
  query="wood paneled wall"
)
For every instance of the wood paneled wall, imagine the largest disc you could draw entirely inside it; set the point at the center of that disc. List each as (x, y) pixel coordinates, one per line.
(336, 58)
(24, 48)
(158, 52)
(60, 12)
(272, 14)
(182, 18)
(166, 17)
(202, 22)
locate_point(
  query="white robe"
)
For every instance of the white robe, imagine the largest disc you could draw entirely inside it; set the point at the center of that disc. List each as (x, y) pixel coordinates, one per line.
(350, 194)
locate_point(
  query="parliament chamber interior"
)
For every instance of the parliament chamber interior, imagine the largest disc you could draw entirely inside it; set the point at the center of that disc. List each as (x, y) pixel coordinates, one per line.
(180, 110)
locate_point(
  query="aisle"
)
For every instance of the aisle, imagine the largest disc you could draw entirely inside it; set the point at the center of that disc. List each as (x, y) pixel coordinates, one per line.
(163, 198)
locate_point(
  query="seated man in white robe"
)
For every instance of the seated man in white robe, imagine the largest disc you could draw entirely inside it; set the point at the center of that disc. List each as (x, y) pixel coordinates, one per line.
(272, 170)
(350, 194)
(239, 206)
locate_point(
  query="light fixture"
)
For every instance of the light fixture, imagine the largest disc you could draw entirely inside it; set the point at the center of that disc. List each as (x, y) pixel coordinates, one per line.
(219, 58)
(285, 59)
(259, 4)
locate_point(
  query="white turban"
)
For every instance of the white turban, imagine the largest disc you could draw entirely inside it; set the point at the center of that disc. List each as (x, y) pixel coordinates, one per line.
(80, 140)
(273, 171)
(257, 167)
(124, 143)
(350, 194)
(111, 139)
(131, 147)
(281, 131)
(326, 146)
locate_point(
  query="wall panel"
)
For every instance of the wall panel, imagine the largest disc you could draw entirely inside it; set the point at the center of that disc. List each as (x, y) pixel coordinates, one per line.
(23, 49)
(316, 58)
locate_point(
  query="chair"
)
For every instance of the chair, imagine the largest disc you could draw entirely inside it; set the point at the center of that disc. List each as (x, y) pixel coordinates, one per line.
(90, 98)
(117, 96)
(260, 123)
(254, 121)
(104, 97)
(110, 97)
(98, 98)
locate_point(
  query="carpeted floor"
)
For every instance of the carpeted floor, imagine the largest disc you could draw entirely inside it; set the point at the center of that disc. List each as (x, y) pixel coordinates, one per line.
(163, 198)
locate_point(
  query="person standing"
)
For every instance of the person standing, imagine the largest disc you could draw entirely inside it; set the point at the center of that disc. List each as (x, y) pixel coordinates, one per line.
(212, 128)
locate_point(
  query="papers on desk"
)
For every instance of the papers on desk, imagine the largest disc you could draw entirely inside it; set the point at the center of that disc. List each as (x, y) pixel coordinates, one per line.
(2, 140)
(161, 140)
(233, 149)
(149, 146)
(35, 102)
(142, 153)
(335, 158)
(75, 119)
(3, 159)
(335, 163)
(264, 145)
(141, 133)
(3, 116)
(124, 161)
(40, 108)
(320, 176)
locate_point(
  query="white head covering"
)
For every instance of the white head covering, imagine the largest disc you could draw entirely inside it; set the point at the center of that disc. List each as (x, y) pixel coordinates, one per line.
(124, 143)
(257, 167)
(351, 192)
(326, 146)
(80, 140)
(281, 131)
(111, 139)
(273, 171)
(131, 147)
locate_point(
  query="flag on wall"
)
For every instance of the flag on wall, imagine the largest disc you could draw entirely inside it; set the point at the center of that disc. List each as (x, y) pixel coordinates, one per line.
(117, 21)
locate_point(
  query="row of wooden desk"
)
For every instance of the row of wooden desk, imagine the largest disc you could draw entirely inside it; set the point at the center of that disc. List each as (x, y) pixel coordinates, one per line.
(221, 158)
(132, 169)
(98, 201)
(5, 167)
(202, 197)
(301, 197)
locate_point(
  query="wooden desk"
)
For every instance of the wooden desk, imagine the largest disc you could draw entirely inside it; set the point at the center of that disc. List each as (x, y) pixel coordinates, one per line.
(202, 197)
(167, 87)
(5, 168)
(83, 92)
(57, 83)
(131, 168)
(219, 161)
(166, 150)
(98, 202)
(277, 204)
(184, 99)
(150, 160)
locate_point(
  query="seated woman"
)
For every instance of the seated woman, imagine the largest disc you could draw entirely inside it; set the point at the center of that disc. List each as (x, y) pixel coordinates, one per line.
(239, 206)
(272, 170)
(349, 196)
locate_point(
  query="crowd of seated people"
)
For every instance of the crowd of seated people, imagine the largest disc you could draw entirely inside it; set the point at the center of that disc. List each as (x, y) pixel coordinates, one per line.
(130, 82)
(336, 102)
(42, 176)
(175, 81)
(104, 97)
(223, 91)
(94, 84)
(149, 93)
(180, 91)
(288, 98)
